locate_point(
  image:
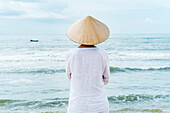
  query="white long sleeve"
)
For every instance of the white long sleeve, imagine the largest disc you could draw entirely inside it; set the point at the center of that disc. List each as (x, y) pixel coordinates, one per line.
(68, 71)
(106, 73)
(88, 71)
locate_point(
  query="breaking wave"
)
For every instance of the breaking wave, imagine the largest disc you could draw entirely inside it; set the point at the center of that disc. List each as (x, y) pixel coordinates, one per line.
(136, 97)
(112, 70)
(117, 69)
(63, 102)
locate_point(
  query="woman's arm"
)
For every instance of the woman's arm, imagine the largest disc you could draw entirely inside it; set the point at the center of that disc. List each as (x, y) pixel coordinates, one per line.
(68, 71)
(106, 73)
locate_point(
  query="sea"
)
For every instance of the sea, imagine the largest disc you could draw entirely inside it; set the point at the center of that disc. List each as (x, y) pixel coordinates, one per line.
(33, 79)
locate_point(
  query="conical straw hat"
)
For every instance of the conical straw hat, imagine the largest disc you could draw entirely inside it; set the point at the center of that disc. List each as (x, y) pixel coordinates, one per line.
(88, 31)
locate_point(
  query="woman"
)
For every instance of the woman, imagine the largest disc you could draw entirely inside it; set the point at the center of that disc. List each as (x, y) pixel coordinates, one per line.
(87, 67)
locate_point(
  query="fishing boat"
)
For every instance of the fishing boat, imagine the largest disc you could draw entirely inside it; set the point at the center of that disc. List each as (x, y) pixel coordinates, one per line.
(33, 40)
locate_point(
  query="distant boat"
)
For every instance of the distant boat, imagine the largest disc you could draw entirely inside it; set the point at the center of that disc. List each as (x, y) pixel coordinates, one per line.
(33, 40)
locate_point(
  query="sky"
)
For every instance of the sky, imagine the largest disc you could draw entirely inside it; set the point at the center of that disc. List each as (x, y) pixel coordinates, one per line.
(52, 17)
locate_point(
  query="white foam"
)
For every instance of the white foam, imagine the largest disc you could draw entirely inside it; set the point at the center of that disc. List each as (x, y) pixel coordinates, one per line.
(20, 81)
(140, 54)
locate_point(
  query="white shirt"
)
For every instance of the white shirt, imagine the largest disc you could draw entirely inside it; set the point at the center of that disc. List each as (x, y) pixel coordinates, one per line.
(88, 71)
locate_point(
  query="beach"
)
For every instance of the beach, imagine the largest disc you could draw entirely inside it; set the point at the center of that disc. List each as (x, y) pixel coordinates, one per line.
(33, 79)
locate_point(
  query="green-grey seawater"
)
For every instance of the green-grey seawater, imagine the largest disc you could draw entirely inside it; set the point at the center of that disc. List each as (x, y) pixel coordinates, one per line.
(33, 80)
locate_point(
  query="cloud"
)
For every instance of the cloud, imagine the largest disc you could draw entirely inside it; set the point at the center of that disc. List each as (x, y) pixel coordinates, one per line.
(69, 9)
(120, 15)
(25, 10)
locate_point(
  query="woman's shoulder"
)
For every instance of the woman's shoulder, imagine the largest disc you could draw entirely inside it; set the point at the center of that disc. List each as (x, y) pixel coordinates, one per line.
(70, 53)
(79, 50)
(102, 51)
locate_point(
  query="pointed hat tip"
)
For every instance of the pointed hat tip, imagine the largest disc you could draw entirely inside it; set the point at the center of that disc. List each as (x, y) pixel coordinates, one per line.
(88, 17)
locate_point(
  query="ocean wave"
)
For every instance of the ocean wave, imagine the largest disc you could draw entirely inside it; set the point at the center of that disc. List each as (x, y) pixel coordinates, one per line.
(15, 104)
(136, 97)
(112, 70)
(63, 102)
(125, 69)
(33, 71)
(132, 110)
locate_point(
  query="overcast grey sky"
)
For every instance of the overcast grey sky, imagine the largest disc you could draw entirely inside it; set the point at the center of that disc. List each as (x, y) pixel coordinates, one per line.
(52, 17)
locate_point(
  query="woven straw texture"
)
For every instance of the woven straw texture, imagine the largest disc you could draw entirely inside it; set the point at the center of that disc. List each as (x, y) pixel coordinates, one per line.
(88, 31)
